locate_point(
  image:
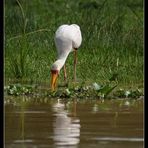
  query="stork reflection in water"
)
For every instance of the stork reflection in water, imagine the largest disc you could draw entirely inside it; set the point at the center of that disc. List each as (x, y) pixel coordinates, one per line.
(66, 126)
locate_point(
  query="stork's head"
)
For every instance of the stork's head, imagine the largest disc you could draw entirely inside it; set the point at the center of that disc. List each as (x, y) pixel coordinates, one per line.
(55, 70)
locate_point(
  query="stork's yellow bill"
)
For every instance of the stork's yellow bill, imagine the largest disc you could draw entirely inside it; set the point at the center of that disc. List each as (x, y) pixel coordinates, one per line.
(54, 77)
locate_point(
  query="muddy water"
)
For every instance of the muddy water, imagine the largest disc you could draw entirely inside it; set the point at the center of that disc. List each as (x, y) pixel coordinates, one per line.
(44, 123)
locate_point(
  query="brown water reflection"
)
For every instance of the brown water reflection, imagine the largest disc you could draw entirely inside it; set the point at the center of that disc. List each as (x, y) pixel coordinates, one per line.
(74, 124)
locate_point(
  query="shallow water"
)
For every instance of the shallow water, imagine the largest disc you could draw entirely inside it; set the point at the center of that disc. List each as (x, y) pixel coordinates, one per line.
(74, 124)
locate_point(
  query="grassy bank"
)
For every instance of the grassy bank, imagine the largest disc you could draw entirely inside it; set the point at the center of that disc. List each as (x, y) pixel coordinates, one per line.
(112, 44)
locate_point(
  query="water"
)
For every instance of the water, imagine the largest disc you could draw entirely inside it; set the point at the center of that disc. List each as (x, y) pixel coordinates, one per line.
(44, 123)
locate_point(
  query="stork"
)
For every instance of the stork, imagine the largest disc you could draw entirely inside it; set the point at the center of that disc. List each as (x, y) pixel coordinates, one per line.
(68, 38)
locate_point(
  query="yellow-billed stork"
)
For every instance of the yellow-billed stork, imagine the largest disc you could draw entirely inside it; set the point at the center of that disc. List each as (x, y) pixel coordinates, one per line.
(68, 38)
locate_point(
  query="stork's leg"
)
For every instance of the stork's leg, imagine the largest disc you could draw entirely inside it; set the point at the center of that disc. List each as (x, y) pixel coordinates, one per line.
(65, 74)
(75, 62)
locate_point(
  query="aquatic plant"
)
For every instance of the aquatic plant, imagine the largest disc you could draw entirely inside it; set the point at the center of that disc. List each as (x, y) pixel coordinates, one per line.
(83, 91)
(122, 93)
(18, 89)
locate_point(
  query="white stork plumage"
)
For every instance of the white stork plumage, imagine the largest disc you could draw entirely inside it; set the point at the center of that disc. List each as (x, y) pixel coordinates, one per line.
(68, 38)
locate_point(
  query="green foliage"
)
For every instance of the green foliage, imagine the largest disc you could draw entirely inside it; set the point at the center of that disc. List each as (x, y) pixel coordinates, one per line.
(112, 32)
(83, 91)
(121, 93)
(18, 64)
(105, 90)
(18, 89)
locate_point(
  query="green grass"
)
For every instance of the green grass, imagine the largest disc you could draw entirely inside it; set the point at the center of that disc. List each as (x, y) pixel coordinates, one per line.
(112, 43)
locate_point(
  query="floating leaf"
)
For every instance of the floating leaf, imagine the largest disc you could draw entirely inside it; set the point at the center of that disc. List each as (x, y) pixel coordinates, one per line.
(18, 89)
(96, 86)
(67, 91)
(127, 93)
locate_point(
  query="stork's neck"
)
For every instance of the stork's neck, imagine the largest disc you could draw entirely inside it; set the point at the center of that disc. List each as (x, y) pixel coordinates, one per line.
(59, 63)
